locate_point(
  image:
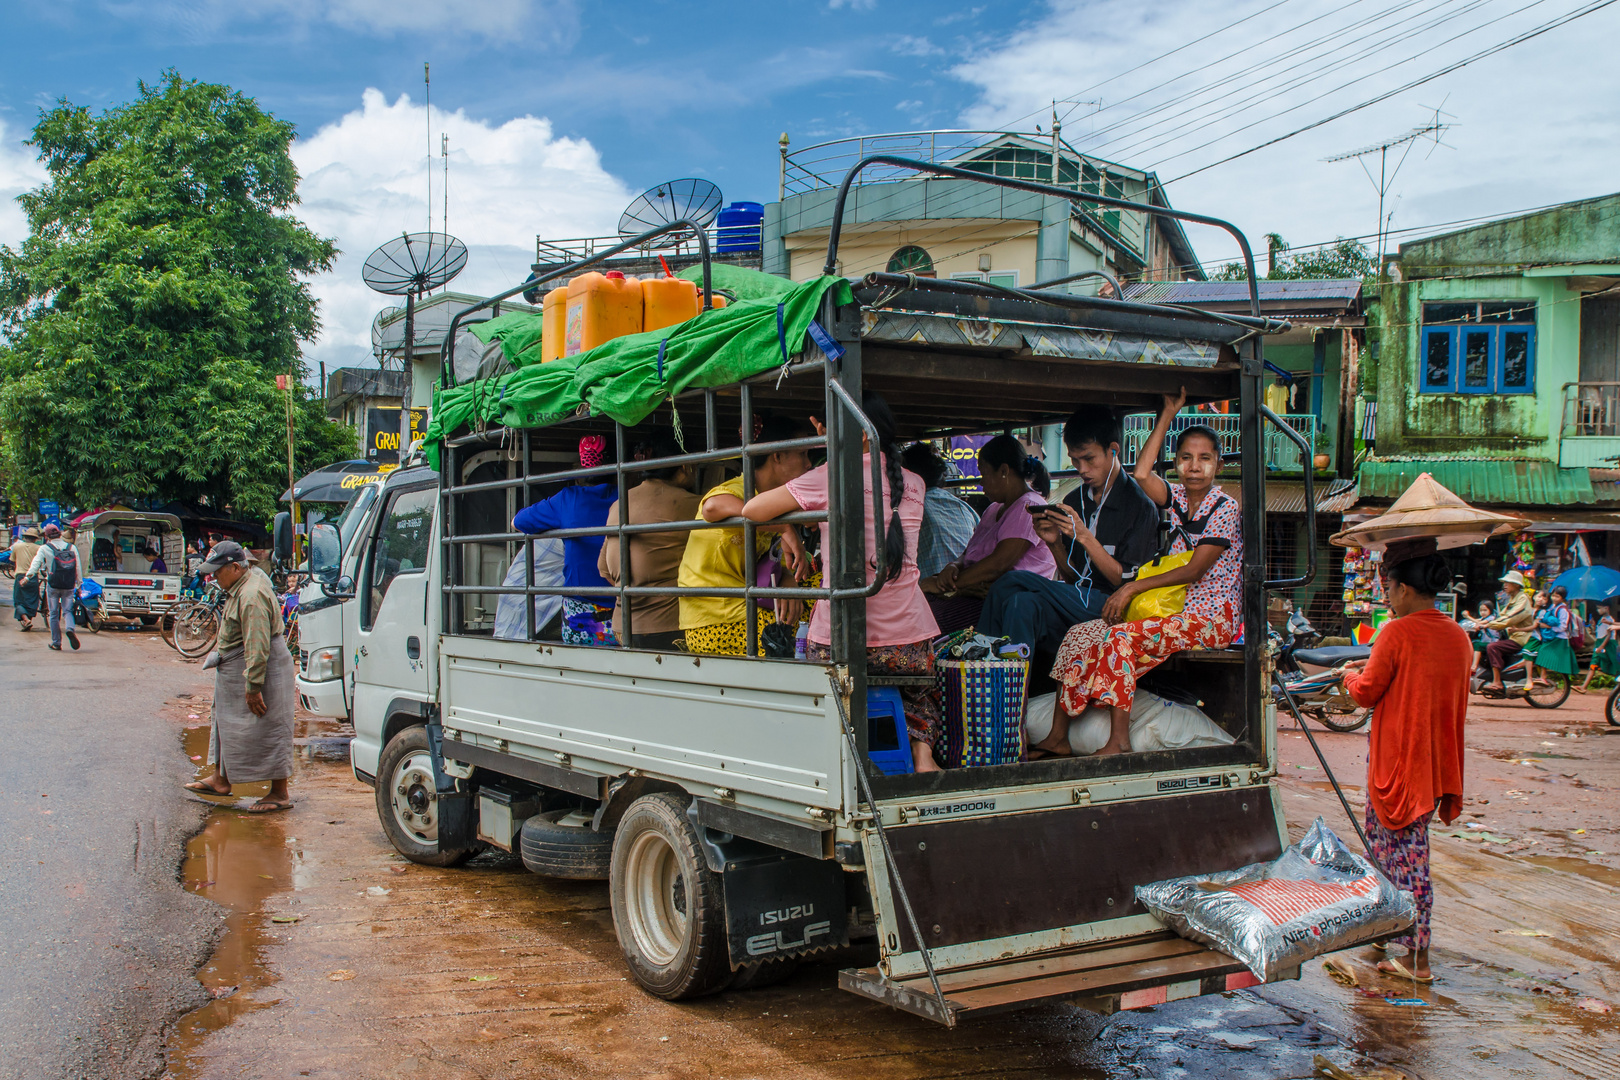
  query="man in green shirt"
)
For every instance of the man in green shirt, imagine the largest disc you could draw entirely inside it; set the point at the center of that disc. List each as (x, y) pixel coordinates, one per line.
(254, 689)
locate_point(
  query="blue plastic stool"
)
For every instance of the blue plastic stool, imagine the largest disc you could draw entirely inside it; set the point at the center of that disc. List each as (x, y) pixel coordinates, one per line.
(887, 743)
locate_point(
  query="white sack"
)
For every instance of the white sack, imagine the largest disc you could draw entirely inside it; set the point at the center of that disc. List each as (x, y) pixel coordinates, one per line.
(1156, 724)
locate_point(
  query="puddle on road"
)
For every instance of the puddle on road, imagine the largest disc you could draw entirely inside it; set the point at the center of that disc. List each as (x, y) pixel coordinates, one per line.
(239, 861)
(1588, 870)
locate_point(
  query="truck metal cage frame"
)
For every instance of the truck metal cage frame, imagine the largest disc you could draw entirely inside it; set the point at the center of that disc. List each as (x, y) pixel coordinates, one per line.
(937, 351)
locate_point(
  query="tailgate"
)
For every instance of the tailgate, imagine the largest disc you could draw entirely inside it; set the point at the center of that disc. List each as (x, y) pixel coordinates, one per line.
(1103, 978)
(1036, 905)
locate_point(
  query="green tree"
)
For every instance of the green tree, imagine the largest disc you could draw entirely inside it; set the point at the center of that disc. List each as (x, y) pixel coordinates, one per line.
(1340, 259)
(160, 291)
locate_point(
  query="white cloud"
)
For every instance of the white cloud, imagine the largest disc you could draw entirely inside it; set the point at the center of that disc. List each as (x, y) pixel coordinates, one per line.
(495, 20)
(364, 182)
(1518, 143)
(20, 171)
(853, 5)
(912, 45)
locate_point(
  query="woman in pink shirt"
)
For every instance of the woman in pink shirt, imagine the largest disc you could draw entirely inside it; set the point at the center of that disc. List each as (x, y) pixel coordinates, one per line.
(1004, 540)
(899, 627)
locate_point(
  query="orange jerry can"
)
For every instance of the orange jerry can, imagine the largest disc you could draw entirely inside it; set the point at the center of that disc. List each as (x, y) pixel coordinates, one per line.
(601, 307)
(667, 301)
(553, 313)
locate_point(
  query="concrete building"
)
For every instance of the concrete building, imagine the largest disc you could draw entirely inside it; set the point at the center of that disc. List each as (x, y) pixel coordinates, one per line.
(1498, 371)
(900, 222)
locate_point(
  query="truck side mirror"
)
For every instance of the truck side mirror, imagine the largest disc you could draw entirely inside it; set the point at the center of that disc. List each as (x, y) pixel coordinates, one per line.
(325, 551)
(282, 538)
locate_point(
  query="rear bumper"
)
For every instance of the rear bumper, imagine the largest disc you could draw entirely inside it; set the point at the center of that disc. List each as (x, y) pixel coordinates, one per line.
(1104, 979)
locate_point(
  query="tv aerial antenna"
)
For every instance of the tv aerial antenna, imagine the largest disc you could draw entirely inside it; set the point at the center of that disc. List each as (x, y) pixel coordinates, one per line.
(1386, 176)
(691, 199)
(409, 265)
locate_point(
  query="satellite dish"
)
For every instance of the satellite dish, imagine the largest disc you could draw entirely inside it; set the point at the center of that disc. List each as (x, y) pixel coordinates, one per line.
(382, 339)
(414, 263)
(692, 199)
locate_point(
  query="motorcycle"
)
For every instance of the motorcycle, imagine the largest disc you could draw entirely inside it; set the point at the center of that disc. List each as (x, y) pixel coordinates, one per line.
(1609, 707)
(87, 606)
(1517, 683)
(1314, 677)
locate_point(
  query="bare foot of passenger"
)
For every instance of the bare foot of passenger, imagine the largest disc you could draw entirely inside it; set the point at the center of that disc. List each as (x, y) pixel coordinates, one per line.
(1111, 749)
(922, 758)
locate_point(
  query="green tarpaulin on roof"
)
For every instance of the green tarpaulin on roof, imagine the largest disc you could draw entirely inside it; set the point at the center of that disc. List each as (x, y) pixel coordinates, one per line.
(518, 332)
(627, 378)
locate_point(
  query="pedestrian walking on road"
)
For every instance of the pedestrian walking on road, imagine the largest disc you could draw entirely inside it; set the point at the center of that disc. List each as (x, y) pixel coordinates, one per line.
(24, 587)
(1417, 678)
(57, 562)
(254, 692)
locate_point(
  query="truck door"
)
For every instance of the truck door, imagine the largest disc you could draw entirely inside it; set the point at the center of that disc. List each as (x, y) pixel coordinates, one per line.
(390, 653)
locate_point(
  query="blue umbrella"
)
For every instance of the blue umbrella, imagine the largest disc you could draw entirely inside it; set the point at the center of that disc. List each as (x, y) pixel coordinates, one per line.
(1590, 582)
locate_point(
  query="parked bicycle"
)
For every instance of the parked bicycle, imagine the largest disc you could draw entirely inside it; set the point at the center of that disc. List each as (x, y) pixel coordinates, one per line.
(193, 628)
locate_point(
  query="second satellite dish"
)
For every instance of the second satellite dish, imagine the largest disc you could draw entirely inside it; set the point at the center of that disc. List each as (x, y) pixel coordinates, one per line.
(414, 263)
(692, 199)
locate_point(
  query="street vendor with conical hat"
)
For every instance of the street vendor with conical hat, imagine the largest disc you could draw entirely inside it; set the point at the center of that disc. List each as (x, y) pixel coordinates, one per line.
(1416, 682)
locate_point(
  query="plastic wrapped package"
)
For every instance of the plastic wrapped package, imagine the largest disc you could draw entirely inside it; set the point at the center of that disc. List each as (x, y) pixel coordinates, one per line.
(1156, 724)
(1318, 897)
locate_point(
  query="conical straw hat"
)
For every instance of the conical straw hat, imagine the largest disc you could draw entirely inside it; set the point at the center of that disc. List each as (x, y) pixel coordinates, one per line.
(1428, 508)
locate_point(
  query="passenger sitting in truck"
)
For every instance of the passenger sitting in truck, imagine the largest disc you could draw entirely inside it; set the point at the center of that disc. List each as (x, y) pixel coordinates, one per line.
(948, 522)
(1100, 661)
(714, 557)
(155, 563)
(655, 558)
(587, 620)
(899, 626)
(1104, 529)
(1004, 540)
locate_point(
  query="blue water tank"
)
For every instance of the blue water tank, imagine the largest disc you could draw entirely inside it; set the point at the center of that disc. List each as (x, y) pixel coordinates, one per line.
(739, 226)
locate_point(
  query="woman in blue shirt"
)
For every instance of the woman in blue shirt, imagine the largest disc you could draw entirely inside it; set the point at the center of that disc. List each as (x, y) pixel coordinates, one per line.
(587, 620)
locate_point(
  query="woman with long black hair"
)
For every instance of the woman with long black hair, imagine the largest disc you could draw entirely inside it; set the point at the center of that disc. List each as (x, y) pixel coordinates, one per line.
(899, 627)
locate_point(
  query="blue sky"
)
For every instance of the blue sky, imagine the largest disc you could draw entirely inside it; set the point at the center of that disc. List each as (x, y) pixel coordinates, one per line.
(559, 112)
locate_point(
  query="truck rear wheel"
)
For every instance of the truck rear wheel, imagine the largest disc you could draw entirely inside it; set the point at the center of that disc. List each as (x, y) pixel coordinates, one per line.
(668, 908)
(407, 802)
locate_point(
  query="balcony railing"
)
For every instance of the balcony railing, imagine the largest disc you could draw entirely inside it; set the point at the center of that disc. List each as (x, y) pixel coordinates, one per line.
(730, 240)
(1592, 408)
(823, 165)
(1281, 455)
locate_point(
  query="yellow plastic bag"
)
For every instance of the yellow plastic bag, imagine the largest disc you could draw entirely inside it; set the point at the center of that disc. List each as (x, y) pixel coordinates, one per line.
(1157, 603)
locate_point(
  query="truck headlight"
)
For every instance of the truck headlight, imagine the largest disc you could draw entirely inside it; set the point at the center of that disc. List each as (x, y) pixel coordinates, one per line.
(323, 665)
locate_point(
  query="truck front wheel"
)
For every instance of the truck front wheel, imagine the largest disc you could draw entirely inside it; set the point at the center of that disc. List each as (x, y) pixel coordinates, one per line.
(668, 907)
(408, 803)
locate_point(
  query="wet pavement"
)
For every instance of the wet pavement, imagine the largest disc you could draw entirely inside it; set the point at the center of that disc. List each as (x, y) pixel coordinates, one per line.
(98, 942)
(341, 959)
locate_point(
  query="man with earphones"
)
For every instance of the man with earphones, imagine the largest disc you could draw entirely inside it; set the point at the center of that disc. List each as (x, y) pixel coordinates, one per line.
(1104, 529)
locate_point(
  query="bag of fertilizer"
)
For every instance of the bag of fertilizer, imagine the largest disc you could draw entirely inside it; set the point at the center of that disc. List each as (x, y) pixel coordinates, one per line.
(1318, 897)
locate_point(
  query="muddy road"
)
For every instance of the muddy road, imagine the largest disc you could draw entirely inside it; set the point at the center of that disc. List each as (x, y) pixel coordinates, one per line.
(98, 942)
(341, 959)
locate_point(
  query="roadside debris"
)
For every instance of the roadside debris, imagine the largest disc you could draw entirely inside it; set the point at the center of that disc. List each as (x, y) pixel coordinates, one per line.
(1324, 1067)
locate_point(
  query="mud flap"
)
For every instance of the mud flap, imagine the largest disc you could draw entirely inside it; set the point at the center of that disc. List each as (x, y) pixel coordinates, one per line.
(458, 825)
(783, 905)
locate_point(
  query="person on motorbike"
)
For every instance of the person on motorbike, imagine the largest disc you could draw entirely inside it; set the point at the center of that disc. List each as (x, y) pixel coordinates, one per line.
(1551, 650)
(1516, 620)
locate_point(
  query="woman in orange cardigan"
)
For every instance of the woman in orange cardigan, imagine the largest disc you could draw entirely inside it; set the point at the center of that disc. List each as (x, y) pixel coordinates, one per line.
(1417, 677)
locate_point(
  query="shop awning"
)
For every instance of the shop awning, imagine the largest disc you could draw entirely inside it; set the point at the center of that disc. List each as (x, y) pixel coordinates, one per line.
(1483, 482)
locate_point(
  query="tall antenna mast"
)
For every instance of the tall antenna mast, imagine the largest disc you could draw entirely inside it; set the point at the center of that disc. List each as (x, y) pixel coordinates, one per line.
(1386, 176)
(427, 106)
(444, 152)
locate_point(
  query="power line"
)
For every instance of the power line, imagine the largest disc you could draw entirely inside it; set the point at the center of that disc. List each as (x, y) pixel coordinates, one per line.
(1517, 39)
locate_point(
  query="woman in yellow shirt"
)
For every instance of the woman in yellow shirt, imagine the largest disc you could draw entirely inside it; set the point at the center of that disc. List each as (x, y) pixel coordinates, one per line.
(714, 557)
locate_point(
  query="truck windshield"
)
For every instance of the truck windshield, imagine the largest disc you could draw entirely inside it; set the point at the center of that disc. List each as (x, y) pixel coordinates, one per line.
(349, 520)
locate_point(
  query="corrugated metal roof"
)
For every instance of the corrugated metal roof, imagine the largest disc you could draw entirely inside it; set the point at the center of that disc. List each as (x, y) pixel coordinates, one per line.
(1226, 292)
(1503, 483)
(1288, 496)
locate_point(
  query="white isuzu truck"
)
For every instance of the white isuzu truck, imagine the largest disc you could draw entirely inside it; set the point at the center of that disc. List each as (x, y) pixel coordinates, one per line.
(730, 802)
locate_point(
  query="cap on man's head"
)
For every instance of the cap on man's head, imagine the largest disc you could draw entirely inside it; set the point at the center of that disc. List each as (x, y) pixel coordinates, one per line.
(226, 551)
(52, 532)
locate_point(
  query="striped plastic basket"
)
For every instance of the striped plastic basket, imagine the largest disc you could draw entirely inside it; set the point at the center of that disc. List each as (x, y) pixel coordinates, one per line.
(983, 705)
